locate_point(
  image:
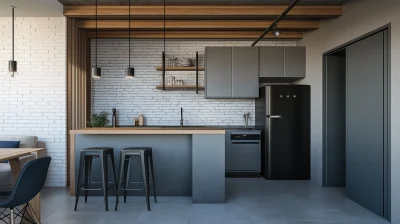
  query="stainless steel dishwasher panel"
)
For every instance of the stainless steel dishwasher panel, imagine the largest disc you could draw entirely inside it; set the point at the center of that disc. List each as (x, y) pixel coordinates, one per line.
(243, 152)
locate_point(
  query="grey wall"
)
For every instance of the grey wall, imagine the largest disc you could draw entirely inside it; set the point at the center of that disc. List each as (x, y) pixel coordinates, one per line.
(359, 17)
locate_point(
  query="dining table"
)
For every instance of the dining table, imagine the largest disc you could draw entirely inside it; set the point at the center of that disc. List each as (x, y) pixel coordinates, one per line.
(13, 155)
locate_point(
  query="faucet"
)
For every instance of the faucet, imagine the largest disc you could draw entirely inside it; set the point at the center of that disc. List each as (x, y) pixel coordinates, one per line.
(114, 117)
(246, 119)
(181, 117)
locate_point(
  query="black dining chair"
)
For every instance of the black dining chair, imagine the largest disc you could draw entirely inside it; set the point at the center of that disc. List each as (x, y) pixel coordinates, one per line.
(30, 182)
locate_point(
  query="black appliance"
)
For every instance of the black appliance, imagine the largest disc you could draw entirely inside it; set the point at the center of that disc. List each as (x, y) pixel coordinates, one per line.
(283, 115)
(242, 153)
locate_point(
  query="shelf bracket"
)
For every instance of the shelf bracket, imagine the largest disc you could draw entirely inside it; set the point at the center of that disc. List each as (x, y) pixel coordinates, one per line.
(197, 72)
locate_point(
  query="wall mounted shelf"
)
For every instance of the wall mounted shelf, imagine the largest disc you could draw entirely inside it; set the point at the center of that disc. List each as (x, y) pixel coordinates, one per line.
(192, 68)
(196, 68)
(187, 87)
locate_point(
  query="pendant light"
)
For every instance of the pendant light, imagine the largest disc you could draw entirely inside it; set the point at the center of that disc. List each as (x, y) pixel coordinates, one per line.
(96, 71)
(12, 64)
(129, 71)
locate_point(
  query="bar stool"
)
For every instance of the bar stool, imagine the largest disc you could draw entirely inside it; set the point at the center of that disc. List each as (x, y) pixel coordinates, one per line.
(85, 168)
(146, 155)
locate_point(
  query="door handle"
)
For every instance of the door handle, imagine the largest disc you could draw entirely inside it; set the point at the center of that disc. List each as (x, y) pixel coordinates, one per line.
(274, 116)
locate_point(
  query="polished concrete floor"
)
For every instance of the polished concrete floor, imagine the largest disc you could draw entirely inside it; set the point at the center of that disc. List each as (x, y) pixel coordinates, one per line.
(249, 201)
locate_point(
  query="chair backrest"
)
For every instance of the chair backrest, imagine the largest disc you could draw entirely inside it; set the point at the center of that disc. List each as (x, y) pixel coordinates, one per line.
(29, 183)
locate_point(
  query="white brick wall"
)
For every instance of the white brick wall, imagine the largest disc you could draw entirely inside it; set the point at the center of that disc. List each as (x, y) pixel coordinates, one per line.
(134, 96)
(34, 102)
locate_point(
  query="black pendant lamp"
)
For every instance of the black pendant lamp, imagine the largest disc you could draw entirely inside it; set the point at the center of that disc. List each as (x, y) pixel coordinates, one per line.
(129, 71)
(96, 71)
(12, 64)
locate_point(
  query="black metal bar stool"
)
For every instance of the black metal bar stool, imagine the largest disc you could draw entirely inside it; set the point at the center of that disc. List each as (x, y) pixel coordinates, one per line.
(85, 168)
(146, 158)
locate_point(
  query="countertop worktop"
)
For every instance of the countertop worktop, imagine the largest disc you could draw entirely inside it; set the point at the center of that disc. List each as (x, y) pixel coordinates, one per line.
(146, 130)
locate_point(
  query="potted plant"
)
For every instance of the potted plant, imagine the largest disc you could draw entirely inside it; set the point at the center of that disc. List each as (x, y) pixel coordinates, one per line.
(98, 120)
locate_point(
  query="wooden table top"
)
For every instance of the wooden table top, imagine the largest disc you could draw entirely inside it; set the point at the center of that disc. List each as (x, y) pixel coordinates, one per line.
(12, 153)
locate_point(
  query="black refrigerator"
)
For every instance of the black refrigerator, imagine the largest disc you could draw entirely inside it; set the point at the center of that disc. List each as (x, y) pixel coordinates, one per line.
(283, 115)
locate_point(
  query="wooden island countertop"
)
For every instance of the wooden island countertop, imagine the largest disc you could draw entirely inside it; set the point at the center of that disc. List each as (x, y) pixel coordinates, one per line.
(149, 131)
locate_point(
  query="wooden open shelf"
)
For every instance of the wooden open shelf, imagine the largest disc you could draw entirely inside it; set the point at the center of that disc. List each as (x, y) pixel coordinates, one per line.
(188, 87)
(192, 68)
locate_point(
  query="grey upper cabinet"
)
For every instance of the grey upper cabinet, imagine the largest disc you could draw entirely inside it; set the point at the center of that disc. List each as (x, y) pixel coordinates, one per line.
(295, 62)
(231, 72)
(272, 61)
(245, 72)
(218, 72)
(282, 64)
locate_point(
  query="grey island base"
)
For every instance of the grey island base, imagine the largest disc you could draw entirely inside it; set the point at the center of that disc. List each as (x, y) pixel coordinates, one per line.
(187, 161)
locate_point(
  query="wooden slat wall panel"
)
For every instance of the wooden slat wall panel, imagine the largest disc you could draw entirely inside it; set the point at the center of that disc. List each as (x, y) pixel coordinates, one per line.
(78, 78)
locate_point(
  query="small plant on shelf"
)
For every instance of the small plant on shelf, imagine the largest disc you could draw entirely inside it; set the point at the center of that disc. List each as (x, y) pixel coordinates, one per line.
(98, 120)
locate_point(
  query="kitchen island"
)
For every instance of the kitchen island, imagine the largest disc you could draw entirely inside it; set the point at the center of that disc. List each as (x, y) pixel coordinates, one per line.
(187, 160)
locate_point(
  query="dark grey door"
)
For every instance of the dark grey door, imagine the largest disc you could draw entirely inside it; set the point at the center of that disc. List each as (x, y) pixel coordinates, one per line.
(295, 62)
(335, 117)
(271, 62)
(245, 72)
(218, 72)
(365, 123)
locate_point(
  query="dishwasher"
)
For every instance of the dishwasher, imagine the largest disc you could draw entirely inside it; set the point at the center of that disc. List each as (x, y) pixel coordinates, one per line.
(243, 153)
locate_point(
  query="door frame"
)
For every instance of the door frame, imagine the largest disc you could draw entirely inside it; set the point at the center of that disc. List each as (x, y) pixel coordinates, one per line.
(387, 118)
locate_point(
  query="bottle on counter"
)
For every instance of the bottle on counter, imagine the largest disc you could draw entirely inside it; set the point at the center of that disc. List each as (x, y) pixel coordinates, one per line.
(141, 120)
(135, 121)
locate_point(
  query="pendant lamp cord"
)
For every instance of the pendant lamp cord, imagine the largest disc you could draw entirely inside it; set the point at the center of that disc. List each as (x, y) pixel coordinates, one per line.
(129, 31)
(96, 34)
(13, 32)
(164, 27)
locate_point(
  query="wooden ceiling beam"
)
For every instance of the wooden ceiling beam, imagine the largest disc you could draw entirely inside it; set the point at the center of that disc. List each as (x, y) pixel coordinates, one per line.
(198, 24)
(302, 11)
(191, 35)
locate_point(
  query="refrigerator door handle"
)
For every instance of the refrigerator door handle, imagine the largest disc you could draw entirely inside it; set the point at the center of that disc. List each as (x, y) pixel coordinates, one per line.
(274, 116)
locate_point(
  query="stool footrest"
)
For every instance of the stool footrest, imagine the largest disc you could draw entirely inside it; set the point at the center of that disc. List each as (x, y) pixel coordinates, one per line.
(132, 189)
(135, 182)
(96, 182)
(91, 189)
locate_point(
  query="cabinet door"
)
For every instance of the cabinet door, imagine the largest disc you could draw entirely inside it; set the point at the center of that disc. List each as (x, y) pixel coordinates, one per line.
(271, 61)
(245, 72)
(218, 72)
(295, 62)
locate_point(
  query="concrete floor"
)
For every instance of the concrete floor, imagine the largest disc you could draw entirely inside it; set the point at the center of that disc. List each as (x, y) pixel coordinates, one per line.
(250, 201)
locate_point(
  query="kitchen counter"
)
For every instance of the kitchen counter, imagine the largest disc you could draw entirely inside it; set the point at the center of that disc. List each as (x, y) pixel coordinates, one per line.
(146, 130)
(188, 161)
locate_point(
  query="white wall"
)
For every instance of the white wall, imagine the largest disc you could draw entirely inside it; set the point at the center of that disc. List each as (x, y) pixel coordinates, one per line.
(359, 17)
(34, 102)
(138, 95)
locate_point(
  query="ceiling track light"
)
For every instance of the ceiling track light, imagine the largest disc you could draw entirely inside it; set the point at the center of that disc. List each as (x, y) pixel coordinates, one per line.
(276, 33)
(12, 64)
(96, 71)
(129, 71)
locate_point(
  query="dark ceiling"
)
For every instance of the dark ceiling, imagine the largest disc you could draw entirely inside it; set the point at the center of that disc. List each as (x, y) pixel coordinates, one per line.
(202, 2)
